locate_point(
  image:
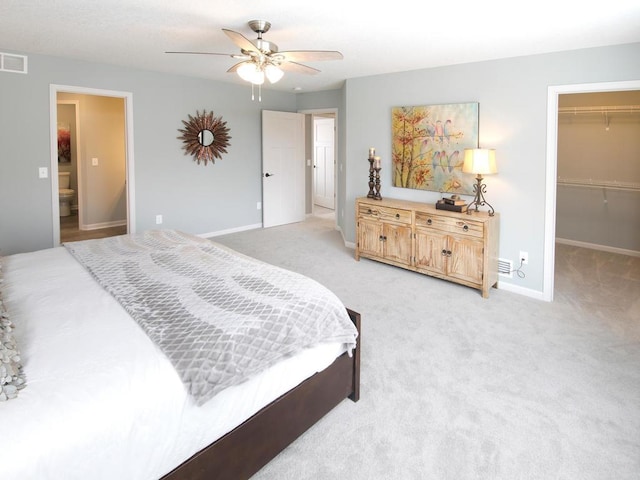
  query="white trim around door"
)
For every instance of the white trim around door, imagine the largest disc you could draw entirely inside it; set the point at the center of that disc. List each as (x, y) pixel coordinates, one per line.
(53, 122)
(553, 92)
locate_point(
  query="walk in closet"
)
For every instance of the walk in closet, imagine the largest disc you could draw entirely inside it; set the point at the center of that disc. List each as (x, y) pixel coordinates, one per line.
(598, 184)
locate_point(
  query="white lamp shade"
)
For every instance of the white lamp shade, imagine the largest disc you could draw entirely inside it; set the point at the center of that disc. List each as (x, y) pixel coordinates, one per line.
(480, 161)
(249, 72)
(273, 73)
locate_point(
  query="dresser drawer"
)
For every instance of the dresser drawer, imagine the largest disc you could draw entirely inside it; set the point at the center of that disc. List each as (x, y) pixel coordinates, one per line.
(398, 215)
(449, 224)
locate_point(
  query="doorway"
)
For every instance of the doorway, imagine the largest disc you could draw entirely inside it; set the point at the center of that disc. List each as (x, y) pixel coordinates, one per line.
(323, 162)
(312, 207)
(553, 95)
(101, 164)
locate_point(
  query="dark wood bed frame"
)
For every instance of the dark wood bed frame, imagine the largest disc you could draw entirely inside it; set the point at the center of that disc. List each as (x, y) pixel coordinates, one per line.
(242, 452)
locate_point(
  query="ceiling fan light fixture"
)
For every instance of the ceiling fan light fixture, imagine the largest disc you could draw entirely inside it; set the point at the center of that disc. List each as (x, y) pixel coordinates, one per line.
(250, 72)
(273, 73)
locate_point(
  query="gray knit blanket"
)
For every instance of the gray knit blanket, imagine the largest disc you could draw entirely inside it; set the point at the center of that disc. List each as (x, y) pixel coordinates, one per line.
(219, 316)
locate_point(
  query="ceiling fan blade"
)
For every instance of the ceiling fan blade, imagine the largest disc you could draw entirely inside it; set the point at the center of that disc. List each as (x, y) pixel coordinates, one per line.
(241, 41)
(298, 68)
(310, 55)
(235, 67)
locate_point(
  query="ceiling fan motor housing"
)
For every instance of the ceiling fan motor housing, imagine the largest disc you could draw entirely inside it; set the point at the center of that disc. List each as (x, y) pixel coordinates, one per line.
(260, 27)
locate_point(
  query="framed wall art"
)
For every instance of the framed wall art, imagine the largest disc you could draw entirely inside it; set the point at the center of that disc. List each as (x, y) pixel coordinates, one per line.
(428, 145)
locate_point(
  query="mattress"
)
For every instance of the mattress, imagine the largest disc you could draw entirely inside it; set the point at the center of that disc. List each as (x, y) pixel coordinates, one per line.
(101, 400)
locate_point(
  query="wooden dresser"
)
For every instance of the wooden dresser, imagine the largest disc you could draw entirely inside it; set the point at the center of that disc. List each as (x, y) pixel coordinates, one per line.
(453, 246)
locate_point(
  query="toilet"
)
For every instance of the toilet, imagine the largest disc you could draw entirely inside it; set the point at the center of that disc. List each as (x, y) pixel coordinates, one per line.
(65, 194)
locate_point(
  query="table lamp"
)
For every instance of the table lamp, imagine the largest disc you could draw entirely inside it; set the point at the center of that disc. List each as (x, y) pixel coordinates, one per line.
(481, 161)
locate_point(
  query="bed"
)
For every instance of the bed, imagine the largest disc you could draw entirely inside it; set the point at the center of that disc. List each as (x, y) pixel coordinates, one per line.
(106, 394)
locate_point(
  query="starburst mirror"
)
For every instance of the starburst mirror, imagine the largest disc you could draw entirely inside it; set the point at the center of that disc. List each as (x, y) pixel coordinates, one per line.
(205, 137)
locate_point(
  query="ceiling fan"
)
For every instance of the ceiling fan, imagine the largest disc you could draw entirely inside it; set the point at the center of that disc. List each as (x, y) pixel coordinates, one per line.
(260, 59)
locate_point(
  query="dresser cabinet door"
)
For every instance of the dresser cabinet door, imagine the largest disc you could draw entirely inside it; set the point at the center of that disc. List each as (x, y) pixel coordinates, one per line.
(429, 248)
(466, 259)
(397, 243)
(370, 237)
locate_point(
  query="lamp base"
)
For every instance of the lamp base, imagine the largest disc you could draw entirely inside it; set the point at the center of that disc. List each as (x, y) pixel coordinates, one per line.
(479, 188)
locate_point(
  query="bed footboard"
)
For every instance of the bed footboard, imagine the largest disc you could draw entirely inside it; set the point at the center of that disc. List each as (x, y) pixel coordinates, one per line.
(246, 449)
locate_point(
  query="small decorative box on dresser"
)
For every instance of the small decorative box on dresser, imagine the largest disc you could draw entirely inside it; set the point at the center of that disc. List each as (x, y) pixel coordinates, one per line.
(454, 246)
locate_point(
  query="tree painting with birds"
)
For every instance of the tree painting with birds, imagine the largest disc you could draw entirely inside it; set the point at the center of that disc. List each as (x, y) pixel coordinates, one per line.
(428, 146)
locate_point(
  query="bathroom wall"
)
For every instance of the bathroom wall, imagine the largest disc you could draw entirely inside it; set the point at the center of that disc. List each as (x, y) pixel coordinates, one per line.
(102, 136)
(599, 148)
(67, 116)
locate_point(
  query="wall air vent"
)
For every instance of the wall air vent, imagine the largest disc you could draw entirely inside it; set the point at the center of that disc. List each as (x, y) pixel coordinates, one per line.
(505, 268)
(10, 62)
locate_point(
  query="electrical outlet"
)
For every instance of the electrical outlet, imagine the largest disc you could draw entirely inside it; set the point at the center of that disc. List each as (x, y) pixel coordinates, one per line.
(524, 258)
(158, 219)
(259, 205)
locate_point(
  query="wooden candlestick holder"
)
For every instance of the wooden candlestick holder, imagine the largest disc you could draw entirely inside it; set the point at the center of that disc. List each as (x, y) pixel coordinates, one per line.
(377, 195)
(371, 193)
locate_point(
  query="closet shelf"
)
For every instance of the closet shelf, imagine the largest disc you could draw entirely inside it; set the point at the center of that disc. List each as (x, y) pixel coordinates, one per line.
(610, 185)
(600, 109)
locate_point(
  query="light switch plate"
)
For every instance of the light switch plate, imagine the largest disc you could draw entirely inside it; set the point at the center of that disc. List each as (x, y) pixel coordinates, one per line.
(43, 172)
(94, 161)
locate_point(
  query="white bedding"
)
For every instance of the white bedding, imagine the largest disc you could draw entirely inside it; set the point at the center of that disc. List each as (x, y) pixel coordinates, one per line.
(101, 400)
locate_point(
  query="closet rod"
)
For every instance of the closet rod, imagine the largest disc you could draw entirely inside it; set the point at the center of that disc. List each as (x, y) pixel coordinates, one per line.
(600, 109)
(634, 187)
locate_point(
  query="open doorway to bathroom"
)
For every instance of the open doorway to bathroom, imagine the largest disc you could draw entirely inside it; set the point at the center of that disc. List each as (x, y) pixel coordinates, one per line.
(91, 163)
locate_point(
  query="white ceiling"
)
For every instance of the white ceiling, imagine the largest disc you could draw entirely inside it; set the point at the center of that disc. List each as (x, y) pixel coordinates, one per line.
(399, 36)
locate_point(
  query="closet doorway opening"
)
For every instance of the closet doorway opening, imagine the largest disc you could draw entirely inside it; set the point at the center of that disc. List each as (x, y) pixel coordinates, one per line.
(552, 183)
(92, 154)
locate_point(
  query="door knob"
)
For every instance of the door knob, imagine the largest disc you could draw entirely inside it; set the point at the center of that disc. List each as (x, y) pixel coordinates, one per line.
(269, 174)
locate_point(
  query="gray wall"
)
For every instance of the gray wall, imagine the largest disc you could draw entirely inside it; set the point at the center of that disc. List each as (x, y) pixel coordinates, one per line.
(512, 94)
(191, 197)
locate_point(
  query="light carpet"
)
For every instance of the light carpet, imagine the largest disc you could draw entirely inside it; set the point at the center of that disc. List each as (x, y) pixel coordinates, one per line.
(456, 387)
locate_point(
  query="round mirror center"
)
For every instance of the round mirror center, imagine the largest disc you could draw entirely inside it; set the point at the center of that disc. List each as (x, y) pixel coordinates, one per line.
(205, 138)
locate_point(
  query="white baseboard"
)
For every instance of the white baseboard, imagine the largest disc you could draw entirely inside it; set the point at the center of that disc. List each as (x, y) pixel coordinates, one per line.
(98, 226)
(230, 230)
(595, 246)
(527, 292)
(350, 245)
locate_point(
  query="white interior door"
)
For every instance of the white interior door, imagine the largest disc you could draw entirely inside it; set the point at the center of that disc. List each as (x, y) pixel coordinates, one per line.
(324, 162)
(283, 168)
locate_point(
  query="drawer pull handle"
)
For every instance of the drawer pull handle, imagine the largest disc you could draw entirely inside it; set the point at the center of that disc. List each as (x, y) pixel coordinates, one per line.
(443, 253)
(369, 211)
(465, 228)
(429, 221)
(448, 253)
(397, 215)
